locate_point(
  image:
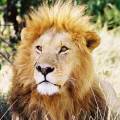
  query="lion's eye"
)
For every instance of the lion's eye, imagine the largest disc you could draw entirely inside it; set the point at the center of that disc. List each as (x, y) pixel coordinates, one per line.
(39, 48)
(63, 49)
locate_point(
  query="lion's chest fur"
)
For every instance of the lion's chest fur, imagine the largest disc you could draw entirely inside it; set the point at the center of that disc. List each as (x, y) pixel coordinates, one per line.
(66, 107)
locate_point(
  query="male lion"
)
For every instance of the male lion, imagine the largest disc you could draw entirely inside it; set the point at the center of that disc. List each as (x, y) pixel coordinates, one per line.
(53, 72)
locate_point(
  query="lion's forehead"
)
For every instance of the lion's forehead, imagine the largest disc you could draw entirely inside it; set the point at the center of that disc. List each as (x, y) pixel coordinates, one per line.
(51, 43)
(53, 38)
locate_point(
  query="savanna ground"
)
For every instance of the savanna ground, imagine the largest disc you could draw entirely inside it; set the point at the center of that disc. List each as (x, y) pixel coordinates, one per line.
(106, 57)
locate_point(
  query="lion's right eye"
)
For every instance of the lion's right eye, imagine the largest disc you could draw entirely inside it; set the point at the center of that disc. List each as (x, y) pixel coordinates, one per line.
(63, 49)
(39, 48)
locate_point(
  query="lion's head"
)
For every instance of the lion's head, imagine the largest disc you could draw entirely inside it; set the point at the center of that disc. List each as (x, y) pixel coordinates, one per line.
(56, 48)
(57, 57)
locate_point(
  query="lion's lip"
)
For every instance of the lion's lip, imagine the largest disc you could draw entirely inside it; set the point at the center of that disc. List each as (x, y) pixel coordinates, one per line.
(46, 81)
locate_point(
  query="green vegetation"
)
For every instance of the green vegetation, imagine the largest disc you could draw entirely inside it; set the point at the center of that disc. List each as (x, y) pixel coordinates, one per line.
(2, 2)
(105, 11)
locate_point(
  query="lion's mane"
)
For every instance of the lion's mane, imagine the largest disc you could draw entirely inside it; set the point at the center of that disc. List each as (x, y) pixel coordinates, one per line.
(80, 101)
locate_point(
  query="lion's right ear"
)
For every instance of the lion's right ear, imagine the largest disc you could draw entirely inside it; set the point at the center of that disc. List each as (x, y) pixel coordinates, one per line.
(92, 40)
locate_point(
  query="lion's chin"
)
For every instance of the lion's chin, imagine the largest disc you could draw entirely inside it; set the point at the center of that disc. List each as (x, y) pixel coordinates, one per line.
(47, 89)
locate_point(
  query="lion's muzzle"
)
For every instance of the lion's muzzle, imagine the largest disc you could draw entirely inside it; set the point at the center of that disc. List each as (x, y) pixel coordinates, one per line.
(45, 69)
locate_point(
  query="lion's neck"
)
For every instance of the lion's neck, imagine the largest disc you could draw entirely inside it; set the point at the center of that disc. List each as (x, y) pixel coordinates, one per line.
(68, 105)
(64, 106)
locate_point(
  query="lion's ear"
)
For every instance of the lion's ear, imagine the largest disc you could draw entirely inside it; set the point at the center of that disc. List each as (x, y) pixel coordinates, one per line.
(92, 40)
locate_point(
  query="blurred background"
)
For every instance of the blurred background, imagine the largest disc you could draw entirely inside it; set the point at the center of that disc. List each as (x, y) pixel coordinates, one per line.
(106, 16)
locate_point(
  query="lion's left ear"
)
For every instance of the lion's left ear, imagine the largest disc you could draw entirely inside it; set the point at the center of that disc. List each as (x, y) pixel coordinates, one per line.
(92, 40)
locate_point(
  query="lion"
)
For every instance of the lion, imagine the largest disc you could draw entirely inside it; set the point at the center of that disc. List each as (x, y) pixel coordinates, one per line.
(54, 77)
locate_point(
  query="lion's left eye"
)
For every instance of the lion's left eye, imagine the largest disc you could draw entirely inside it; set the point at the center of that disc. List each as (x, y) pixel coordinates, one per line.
(63, 49)
(39, 48)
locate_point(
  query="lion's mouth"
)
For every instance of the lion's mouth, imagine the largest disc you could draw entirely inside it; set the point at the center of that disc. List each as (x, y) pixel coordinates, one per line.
(46, 81)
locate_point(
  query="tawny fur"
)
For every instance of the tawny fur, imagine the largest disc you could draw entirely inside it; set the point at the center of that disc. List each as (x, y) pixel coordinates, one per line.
(81, 101)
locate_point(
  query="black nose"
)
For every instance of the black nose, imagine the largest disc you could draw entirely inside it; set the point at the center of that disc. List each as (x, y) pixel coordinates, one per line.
(45, 70)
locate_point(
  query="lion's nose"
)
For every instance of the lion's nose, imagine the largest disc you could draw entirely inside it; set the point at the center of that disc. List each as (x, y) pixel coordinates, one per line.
(45, 69)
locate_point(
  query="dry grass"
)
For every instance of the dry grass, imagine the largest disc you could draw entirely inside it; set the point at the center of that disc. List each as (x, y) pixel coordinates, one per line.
(107, 67)
(107, 58)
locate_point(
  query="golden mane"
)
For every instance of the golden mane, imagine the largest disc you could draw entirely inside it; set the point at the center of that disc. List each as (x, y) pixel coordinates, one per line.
(27, 104)
(67, 17)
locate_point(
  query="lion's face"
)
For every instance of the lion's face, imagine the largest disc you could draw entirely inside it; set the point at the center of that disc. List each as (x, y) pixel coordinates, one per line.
(53, 61)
